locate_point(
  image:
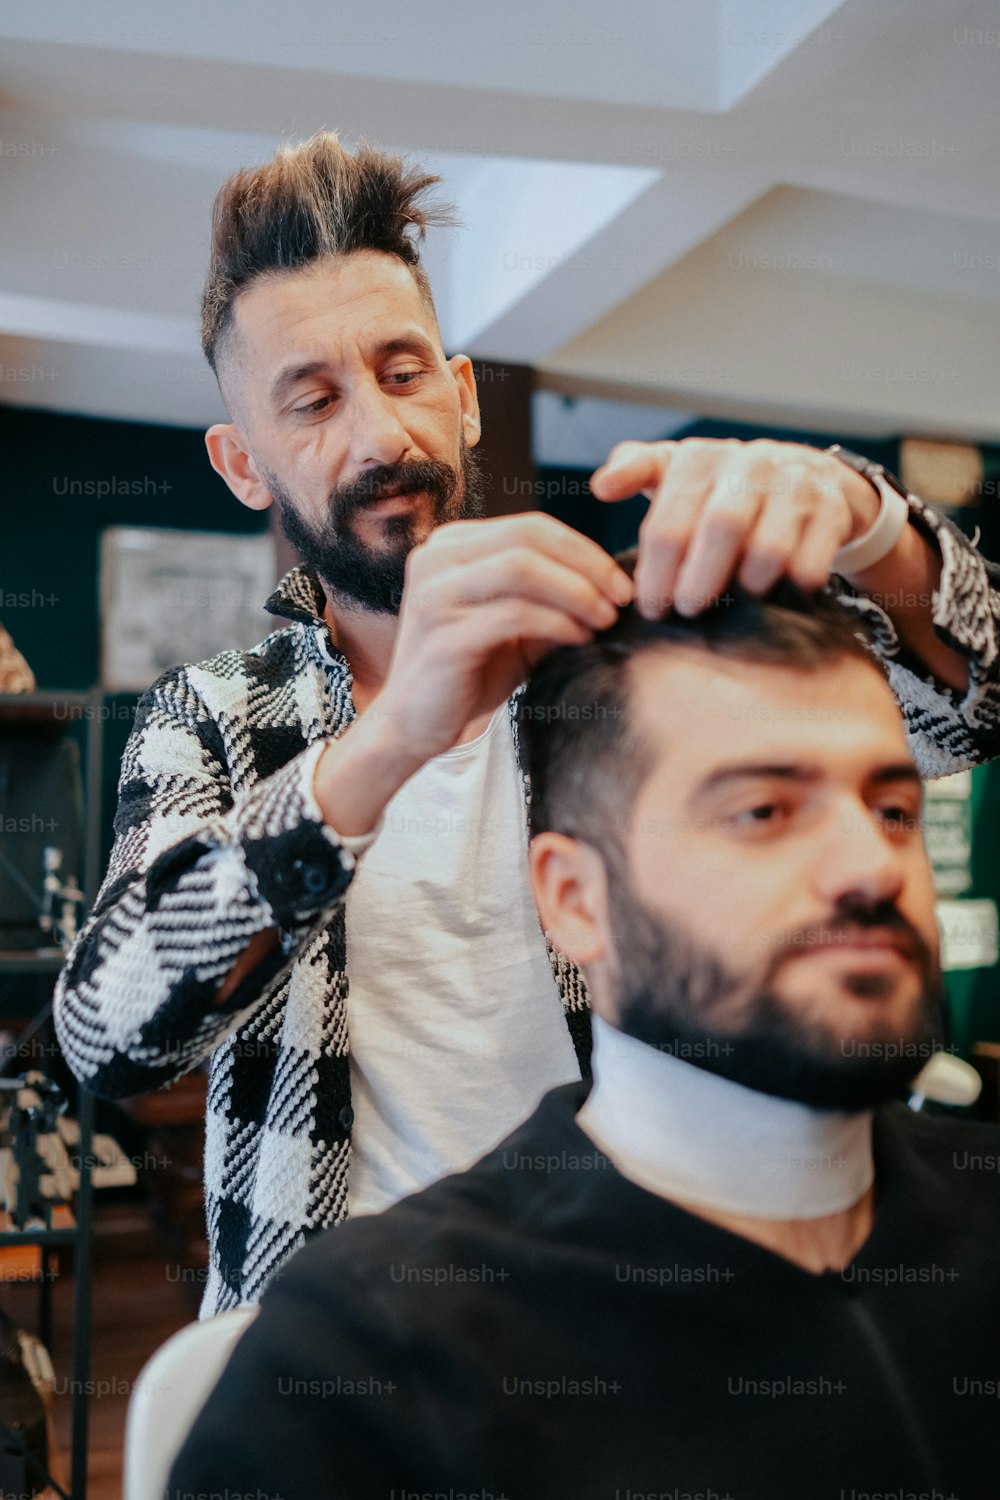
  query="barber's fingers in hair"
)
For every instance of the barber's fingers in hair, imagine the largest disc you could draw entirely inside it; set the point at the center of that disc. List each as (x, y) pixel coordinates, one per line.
(787, 507)
(470, 542)
(826, 532)
(667, 529)
(520, 574)
(727, 520)
(534, 628)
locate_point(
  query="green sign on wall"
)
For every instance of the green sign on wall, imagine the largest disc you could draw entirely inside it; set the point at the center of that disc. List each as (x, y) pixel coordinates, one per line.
(961, 827)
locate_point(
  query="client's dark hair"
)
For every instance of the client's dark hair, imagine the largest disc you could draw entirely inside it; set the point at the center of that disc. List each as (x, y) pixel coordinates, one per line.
(584, 755)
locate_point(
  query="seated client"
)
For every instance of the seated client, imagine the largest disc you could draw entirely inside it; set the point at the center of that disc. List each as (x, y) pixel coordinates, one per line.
(739, 1266)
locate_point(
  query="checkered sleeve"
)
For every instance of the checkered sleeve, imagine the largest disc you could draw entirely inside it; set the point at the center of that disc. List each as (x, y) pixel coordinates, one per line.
(195, 872)
(949, 731)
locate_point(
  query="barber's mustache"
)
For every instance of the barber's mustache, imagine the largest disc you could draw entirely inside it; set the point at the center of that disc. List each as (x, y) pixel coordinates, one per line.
(851, 920)
(424, 475)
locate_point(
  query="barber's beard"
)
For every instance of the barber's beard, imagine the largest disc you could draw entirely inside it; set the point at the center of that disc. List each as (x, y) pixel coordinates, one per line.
(349, 567)
(673, 994)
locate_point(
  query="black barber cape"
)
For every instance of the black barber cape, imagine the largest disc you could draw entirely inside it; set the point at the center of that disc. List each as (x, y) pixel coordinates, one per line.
(539, 1328)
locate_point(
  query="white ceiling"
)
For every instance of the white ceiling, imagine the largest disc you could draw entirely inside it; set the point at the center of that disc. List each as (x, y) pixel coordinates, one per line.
(760, 209)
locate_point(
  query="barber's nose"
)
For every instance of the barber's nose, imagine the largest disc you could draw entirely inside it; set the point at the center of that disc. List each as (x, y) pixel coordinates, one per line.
(377, 434)
(855, 856)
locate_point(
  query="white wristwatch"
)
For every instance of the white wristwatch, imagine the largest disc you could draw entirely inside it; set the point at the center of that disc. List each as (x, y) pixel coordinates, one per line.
(887, 528)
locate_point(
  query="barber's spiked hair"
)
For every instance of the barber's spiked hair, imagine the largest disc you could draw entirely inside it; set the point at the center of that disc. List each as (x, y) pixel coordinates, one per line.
(311, 201)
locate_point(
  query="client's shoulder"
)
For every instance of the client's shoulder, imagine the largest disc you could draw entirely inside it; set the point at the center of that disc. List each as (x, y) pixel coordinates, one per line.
(962, 1150)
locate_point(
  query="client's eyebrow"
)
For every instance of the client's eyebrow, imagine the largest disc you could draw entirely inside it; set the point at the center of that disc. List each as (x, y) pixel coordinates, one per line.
(803, 775)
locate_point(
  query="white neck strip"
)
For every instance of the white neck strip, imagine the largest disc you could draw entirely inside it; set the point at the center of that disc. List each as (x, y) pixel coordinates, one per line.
(688, 1135)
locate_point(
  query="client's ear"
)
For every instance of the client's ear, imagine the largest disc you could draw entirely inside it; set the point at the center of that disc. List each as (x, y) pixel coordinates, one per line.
(571, 893)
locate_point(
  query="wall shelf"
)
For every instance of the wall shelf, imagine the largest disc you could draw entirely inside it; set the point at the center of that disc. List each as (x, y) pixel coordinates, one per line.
(62, 711)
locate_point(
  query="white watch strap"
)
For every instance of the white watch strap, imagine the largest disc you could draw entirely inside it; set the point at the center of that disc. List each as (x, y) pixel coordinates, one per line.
(880, 538)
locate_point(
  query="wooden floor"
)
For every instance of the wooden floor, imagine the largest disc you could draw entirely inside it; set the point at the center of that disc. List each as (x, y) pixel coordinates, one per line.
(141, 1297)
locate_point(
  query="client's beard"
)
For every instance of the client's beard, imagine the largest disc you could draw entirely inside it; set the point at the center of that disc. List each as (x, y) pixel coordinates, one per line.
(673, 994)
(345, 564)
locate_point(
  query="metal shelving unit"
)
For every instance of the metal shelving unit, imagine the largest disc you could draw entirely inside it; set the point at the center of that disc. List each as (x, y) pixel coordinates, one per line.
(52, 708)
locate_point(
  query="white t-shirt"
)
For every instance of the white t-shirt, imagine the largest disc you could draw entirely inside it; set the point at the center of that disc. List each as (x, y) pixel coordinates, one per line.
(456, 1024)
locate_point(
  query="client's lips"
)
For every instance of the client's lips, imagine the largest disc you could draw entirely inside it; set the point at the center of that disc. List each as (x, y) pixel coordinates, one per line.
(872, 940)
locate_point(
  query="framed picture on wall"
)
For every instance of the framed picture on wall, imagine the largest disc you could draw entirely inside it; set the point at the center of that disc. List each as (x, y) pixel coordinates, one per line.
(171, 597)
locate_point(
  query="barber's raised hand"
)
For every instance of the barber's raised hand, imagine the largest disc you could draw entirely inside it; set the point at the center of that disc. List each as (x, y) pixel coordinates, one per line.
(724, 510)
(483, 600)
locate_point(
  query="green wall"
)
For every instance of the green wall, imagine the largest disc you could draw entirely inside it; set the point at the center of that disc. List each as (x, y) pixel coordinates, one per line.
(65, 479)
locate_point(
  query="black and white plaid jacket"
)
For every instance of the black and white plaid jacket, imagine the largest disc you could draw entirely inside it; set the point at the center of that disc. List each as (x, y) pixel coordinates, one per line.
(218, 836)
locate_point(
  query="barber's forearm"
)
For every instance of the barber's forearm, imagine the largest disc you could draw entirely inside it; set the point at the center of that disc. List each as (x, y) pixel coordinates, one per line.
(360, 772)
(903, 584)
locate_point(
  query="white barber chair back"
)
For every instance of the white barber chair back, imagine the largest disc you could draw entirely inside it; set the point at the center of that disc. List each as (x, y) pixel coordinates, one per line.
(946, 1079)
(170, 1392)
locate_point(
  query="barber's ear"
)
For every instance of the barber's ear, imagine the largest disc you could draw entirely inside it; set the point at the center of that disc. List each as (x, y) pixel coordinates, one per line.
(571, 893)
(468, 397)
(230, 457)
